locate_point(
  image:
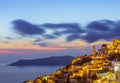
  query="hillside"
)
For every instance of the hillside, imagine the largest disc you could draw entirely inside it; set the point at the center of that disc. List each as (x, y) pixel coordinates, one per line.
(50, 61)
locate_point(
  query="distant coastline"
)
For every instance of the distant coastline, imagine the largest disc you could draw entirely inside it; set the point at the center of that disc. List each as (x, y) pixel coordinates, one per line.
(50, 61)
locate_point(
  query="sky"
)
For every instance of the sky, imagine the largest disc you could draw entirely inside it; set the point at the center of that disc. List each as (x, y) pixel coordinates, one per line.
(43, 28)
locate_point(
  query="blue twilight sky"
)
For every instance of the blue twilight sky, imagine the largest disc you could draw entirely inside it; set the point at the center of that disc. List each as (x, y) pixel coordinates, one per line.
(56, 27)
(57, 11)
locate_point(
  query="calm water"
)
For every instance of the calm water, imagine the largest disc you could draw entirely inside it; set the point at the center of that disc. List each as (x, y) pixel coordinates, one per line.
(13, 74)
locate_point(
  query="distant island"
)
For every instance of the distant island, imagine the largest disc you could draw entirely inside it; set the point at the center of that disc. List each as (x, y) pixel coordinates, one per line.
(49, 61)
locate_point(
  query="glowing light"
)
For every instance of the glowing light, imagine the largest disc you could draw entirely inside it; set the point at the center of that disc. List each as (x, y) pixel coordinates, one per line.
(46, 77)
(99, 81)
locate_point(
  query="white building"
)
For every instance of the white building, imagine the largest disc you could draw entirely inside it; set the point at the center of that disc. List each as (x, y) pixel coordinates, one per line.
(117, 66)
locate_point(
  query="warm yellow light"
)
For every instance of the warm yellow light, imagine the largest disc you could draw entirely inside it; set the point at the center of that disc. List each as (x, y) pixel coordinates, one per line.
(92, 62)
(116, 51)
(99, 81)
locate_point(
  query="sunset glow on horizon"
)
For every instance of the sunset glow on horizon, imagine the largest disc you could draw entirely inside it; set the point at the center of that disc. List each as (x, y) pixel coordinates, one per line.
(56, 28)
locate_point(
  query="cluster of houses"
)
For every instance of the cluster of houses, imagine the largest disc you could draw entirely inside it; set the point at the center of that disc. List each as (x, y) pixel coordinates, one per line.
(96, 68)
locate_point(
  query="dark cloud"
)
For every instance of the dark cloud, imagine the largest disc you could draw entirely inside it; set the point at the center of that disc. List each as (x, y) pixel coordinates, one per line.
(13, 38)
(40, 43)
(37, 40)
(25, 28)
(104, 29)
(94, 36)
(96, 30)
(103, 25)
(117, 29)
(57, 33)
(66, 28)
(72, 31)
(43, 44)
(61, 25)
(73, 37)
(9, 38)
(49, 36)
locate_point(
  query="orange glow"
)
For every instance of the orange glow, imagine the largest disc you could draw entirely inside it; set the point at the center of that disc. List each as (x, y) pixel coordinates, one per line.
(24, 47)
(27, 45)
(11, 52)
(73, 43)
(37, 48)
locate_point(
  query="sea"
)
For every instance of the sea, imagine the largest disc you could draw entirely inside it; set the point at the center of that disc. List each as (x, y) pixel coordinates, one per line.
(19, 74)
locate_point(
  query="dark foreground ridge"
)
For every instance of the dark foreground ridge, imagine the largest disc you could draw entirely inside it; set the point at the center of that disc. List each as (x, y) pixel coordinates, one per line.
(50, 61)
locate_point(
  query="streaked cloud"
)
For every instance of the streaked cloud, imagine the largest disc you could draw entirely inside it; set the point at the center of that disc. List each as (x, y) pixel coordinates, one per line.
(43, 44)
(73, 37)
(37, 40)
(49, 36)
(94, 31)
(103, 29)
(25, 28)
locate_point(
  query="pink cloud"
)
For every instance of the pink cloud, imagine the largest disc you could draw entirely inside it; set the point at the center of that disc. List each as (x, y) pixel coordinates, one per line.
(4, 51)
